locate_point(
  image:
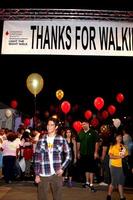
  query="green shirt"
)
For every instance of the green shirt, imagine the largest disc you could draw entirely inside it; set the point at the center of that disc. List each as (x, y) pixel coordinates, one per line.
(87, 141)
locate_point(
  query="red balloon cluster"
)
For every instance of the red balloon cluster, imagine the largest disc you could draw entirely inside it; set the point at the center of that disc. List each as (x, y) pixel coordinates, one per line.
(120, 97)
(111, 109)
(88, 114)
(14, 104)
(99, 103)
(77, 125)
(65, 107)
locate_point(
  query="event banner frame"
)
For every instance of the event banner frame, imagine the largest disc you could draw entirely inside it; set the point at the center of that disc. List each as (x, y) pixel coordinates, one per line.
(67, 32)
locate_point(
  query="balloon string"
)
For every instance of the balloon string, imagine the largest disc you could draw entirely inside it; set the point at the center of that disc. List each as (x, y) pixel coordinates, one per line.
(35, 105)
(34, 112)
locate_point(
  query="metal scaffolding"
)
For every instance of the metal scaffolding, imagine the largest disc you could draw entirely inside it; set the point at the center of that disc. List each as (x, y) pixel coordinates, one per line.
(40, 14)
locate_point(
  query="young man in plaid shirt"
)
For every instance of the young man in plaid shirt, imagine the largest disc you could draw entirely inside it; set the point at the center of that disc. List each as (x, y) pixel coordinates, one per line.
(52, 156)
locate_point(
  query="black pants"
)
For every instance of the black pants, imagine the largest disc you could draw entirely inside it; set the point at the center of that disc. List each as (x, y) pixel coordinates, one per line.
(8, 167)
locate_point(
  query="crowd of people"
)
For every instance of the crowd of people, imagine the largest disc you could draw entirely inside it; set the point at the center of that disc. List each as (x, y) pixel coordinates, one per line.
(60, 157)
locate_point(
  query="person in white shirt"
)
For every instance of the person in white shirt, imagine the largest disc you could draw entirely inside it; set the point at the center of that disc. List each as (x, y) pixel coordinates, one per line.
(10, 152)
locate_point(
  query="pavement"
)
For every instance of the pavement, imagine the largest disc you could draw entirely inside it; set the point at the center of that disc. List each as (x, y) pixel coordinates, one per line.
(27, 190)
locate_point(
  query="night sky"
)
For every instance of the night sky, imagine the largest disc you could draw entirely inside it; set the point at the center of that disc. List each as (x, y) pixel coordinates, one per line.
(82, 78)
(75, 4)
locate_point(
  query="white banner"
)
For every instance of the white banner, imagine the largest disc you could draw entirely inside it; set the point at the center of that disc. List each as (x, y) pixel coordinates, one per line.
(68, 37)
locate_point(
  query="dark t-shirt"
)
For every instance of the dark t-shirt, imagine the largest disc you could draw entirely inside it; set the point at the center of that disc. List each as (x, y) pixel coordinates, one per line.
(87, 142)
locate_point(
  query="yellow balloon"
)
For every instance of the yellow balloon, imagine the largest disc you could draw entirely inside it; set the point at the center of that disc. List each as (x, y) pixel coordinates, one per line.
(34, 83)
(59, 94)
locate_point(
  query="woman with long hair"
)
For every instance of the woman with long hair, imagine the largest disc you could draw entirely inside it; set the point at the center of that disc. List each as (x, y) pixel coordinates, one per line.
(68, 173)
(117, 152)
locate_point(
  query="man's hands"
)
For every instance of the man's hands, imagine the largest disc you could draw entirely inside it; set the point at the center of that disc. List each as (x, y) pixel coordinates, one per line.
(37, 179)
(59, 172)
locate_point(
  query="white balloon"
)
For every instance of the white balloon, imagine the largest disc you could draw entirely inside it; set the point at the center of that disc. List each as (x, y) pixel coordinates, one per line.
(117, 122)
(8, 113)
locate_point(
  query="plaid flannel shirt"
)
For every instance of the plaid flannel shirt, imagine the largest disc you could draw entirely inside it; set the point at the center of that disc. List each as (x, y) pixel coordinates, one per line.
(60, 147)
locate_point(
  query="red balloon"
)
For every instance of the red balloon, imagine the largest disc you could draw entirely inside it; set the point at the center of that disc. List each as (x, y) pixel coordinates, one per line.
(94, 122)
(111, 109)
(105, 114)
(98, 103)
(88, 114)
(27, 122)
(120, 97)
(77, 125)
(65, 107)
(14, 104)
